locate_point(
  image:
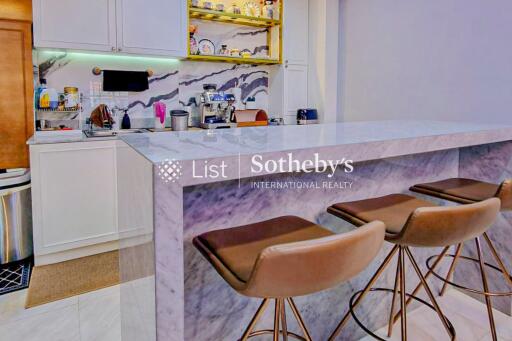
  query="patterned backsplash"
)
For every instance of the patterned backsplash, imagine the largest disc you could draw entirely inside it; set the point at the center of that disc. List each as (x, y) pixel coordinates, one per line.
(173, 82)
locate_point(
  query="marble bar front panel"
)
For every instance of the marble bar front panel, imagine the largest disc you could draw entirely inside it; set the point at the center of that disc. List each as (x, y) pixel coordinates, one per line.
(214, 311)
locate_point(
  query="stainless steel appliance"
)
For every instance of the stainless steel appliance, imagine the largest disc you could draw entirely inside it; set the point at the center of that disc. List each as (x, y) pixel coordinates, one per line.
(179, 120)
(15, 216)
(216, 108)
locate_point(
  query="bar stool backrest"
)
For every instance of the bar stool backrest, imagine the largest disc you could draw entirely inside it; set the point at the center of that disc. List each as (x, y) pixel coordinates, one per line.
(447, 225)
(305, 267)
(505, 195)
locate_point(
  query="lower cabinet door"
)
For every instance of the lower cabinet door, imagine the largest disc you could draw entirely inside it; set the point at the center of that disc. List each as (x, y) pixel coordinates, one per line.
(74, 195)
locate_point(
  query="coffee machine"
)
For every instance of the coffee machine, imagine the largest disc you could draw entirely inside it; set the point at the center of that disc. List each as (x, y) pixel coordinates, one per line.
(216, 108)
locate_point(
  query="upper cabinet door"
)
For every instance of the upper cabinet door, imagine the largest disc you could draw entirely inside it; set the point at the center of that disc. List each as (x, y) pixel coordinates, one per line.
(156, 27)
(75, 24)
(295, 31)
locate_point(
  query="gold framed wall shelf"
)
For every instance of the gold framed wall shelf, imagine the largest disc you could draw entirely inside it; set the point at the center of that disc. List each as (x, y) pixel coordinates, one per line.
(237, 60)
(230, 18)
(273, 36)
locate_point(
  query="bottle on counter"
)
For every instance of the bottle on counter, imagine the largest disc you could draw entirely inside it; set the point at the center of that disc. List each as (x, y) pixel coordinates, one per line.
(37, 92)
(54, 98)
(125, 123)
(44, 98)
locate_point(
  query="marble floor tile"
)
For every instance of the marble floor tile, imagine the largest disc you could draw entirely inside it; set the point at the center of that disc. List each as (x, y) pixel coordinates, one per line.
(96, 316)
(108, 291)
(61, 324)
(468, 316)
(100, 316)
(12, 306)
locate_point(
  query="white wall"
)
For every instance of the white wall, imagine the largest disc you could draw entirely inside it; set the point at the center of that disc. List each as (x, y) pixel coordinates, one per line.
(426, 59)
(323, 58)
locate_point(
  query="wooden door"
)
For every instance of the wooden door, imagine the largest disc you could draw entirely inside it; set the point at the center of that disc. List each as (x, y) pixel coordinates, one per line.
(16, 93)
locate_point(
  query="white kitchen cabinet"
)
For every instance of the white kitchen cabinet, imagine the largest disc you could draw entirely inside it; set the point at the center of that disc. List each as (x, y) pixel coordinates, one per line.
(295, 32)
(75, 24)
(74, 199)
(88, 196)
(288, 83)
(157, 27)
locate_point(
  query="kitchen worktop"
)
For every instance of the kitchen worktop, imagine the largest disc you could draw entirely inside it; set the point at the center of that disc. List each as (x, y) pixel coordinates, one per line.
(407, 136)
(54, 137)
(356, 141)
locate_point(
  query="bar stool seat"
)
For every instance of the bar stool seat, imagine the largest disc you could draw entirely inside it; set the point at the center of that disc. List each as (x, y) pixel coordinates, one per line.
(393, 210)
(461, 190)
(286, 257)
(238, 248)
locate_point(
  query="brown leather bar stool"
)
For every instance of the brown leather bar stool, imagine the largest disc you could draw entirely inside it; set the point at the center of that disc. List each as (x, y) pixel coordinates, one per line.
(286, 257)
(412, 222)
(468, 191)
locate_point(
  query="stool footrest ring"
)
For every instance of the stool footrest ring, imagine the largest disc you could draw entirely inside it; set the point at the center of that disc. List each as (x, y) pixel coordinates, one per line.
(475, 291)
(372, 334)
(271, 331)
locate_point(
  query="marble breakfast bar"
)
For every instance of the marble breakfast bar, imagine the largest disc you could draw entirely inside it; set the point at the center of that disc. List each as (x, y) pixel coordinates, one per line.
(210, 180)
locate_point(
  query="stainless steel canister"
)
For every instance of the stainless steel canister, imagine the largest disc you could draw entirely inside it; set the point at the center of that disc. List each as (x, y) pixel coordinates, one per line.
(15, 219)
(179, 120)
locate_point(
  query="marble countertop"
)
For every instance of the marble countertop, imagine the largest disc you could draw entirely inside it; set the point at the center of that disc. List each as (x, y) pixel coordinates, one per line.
(71, 136)
(392, 138)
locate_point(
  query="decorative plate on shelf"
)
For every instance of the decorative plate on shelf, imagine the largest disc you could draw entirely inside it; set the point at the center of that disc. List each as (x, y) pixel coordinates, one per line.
(206, 47)
(252, 9)
(194, 49)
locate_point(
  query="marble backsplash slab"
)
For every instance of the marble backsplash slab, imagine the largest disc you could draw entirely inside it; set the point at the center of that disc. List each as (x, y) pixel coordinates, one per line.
(174, 82)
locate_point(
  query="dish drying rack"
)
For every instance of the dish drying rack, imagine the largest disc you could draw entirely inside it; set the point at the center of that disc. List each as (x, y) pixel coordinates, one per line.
(68, 114)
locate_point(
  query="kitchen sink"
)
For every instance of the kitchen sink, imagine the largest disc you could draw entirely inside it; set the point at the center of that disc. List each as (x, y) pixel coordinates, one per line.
(111, 133)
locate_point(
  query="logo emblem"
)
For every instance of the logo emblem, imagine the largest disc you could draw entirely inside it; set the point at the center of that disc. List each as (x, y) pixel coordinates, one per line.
(170, 170)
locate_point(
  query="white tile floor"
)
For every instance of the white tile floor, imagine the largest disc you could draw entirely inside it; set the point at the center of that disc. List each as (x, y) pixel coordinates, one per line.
(96, 316)
(92, 316)
(468, 316)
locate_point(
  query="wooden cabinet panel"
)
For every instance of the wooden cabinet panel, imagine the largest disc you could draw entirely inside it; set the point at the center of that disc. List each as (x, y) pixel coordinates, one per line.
(16, 10)
(16, 89)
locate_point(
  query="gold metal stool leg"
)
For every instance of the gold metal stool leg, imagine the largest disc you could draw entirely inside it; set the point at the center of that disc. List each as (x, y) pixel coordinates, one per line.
(403, 320)
(255, 319)
(458, 252)
(279, 319)
(486, 289)
(277, 310)
(296, 313)
(446, 324)
(283, 320)
(372, 281)
(395, 291)
(419, 286)
(506, 274)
